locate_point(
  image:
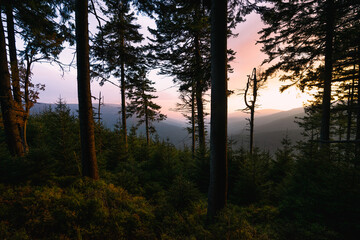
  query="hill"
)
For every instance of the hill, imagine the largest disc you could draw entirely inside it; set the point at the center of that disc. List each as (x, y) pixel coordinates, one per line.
(169, 129)
(270, 126)
(269, 129)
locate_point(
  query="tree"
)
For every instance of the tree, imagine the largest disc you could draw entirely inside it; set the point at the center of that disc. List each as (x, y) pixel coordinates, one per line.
(88, 155)
(326, 103)
(302, 36)
(217, 196)
(187, 107)
(115, 51)
(13, 54)
(181, 44)
(255, 82)
(142, 105)
(42, 39)
(30, 95)
(8, 109)
(281, 168)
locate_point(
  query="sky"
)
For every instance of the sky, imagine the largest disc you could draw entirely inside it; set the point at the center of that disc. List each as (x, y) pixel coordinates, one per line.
(248, 55)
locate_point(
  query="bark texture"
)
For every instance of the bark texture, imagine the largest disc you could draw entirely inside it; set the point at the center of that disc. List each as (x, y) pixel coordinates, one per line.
(13, 55)
(12, 132)
(88, 155)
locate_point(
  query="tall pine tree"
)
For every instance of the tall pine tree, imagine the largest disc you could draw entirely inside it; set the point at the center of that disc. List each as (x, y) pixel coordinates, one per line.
(302, 39)
(141, 103)
(115, 50)
(181, 44)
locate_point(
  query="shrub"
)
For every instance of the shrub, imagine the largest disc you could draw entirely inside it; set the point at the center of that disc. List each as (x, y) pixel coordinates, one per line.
(86, 209)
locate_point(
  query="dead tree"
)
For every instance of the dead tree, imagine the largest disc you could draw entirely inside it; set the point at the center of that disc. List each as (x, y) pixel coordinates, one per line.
(254, 82)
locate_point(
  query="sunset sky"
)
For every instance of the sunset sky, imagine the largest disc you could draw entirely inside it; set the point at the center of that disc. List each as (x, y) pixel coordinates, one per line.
(248, 56)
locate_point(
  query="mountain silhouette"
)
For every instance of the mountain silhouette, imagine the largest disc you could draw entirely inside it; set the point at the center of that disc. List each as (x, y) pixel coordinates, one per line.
(271, 126)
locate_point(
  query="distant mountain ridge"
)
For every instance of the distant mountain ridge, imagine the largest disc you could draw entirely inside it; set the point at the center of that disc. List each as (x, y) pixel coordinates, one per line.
(269, 129)
(271, 125)
(169, 129)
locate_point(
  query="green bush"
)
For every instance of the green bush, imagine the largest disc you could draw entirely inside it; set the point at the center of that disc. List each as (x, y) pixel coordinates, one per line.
(250, 223)
(86, 209)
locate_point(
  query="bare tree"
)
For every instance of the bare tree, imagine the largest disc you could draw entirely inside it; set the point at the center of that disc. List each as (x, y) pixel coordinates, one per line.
(254, 83)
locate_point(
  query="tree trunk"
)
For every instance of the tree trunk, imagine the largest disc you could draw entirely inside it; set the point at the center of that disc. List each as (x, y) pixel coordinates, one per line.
(123, 104)
(252, 113)
(251, 105)
(199, 99)
(13, 56)
(350, 102)
(326, 103)
(15, 77)
(27, 104)
(200, 119)
(147, 125)
(123, 87)
(88, 154)
(357, 137)
(99, 144)
(217, 195)
(12, 132)
(99, 109)
(193, 140)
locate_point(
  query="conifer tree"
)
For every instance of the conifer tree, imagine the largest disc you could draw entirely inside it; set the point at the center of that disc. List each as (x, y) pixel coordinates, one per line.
(114, 49)
(302, 34)
(188, 110)
(181, 44)
(141, 103)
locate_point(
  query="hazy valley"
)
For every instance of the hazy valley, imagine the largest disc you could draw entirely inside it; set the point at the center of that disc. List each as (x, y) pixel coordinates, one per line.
(271, 126)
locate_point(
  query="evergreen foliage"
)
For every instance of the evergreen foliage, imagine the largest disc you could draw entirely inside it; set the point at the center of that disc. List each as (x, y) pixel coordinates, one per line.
(141, 103)
(43, 37)
(157, 191)
(114, 50)
(306, 42)
(182, 50)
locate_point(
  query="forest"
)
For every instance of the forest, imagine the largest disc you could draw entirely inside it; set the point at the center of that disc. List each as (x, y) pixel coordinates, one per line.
(67, 176)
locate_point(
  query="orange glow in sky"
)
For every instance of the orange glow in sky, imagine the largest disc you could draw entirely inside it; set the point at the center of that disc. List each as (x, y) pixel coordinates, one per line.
(248, 56)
